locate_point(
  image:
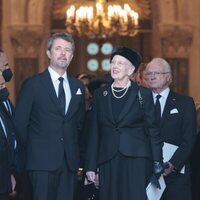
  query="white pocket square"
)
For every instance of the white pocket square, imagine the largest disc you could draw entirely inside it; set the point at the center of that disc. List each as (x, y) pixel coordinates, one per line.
(78, 92)
(173, 111)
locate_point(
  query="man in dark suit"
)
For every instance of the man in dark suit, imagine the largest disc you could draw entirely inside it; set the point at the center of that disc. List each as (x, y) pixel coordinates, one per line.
(7, 137)
(177, 122)
(48, 118)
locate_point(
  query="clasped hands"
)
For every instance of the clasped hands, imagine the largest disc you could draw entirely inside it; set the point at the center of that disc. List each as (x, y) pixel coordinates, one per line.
(158, 169)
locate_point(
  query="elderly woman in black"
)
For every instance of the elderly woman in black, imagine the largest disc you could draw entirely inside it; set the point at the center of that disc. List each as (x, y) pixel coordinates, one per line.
(124, 141)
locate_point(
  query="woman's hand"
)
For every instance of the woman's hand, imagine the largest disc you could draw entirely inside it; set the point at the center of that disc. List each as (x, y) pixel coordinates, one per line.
(91, 176)
(13, 182)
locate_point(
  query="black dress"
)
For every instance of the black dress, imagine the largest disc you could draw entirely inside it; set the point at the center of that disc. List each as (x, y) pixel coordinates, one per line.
(124, 177)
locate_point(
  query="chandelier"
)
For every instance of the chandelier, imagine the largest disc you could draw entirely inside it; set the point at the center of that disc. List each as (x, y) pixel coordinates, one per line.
(102, 18)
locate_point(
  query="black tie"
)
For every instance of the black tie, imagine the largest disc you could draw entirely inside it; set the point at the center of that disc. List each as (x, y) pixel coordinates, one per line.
(158, 109)
(61, 94)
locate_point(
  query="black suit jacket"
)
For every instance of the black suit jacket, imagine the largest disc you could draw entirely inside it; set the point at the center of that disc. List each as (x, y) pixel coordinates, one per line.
(127, 134)
(46, 133)
(7, 144)
(179, 127)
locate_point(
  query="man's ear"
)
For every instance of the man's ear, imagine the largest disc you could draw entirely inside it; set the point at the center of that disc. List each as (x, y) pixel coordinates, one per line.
(48, 54)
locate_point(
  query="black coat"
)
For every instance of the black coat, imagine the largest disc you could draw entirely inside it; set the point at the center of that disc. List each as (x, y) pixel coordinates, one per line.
(43, 129)
(7, 144)
(179, 128)
(133, 134)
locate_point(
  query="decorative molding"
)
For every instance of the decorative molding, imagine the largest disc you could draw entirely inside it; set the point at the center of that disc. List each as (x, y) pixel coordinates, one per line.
(176, 39)
(26, 39)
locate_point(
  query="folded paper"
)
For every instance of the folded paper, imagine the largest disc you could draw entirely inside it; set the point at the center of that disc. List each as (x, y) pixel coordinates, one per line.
(154, 193)
(168, 151)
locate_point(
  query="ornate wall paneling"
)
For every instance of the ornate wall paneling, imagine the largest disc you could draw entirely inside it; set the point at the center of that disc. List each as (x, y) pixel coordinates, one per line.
(176, 42)
(26, 40)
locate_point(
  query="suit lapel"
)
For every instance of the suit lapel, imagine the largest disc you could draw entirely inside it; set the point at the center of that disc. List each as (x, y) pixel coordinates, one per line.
(6, 110)
(47, 82)
(107, 98)
(73, 88)
(169, 105)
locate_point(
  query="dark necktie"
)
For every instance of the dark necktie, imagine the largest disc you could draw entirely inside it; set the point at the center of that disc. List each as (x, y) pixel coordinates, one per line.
(61, 94)
(158, 109)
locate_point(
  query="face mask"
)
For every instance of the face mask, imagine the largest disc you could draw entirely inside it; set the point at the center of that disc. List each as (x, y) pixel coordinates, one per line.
(7, 74)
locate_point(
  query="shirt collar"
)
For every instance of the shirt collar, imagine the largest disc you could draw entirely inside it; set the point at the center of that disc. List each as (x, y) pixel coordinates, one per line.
(54, 75)
(164, 93)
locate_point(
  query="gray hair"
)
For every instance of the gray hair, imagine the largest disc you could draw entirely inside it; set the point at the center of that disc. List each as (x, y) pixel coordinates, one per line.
(162, 62)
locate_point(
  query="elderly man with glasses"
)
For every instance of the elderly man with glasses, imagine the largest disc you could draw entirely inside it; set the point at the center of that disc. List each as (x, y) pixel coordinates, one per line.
(176, 118)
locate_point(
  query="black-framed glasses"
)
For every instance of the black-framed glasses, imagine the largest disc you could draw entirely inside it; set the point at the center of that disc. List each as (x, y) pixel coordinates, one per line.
(156, 73)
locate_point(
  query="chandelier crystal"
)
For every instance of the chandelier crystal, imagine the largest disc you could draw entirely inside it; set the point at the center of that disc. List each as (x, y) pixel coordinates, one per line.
(102, 19)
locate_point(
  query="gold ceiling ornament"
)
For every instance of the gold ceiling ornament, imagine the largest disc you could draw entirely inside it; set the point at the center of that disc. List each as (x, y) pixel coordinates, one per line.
(102, 18)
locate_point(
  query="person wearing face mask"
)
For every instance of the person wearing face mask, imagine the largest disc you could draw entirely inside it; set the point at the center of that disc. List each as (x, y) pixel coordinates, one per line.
(7, 73)
(7, 133)
(22, 188)
(124, 142)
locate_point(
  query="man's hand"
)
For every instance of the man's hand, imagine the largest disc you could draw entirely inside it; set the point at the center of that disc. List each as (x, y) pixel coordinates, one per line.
(168, 170)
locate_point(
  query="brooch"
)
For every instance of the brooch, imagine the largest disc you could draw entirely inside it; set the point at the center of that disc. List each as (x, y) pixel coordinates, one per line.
(105, 93)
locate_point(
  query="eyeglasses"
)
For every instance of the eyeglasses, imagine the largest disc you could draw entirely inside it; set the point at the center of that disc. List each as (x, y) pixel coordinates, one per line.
(156, 73)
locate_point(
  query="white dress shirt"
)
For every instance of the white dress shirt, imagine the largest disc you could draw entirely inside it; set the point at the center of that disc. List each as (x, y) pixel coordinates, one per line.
(7, 106)
(3, 126)
(54, 77)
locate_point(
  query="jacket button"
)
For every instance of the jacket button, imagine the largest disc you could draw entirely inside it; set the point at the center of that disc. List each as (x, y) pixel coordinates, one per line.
(61, 139)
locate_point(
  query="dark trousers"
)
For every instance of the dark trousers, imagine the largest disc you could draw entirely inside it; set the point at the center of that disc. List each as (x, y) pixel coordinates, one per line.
(53, 185)
(178, 187)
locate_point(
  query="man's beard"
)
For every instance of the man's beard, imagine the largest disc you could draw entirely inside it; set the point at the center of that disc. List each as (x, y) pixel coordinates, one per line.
(59, 64)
